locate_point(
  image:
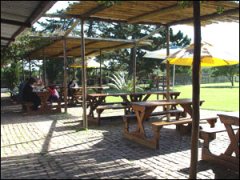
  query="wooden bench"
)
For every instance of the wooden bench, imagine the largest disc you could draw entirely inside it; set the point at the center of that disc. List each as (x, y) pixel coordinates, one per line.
(183, 125)
(27, 108)
(115, 105)
(174, 112)
(208, 135)
(177, 113)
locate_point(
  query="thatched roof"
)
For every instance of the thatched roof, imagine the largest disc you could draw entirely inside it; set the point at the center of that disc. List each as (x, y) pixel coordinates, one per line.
(155, 12)
(73, 46)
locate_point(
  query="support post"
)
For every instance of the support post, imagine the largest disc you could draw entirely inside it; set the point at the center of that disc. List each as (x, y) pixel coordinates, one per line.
(84, 79)
(65, 75)
(100, 83)
(30, 69)
(195, 89)
(134, 67)
(168, 71)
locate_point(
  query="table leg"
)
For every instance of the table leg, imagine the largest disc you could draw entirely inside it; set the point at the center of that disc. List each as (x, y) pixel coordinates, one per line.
(94, 103)
(142, 114)
(234, 139)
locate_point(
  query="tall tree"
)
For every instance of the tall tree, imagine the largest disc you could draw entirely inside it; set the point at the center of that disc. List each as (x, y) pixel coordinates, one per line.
(228, 71)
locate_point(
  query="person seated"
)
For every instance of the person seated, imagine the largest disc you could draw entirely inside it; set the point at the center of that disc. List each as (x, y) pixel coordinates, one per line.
(72, 84)
(54, 95)
(30, 96)
(20, 91)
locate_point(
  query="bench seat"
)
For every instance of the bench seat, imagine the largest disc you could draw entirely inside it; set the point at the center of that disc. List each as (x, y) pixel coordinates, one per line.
(180, 126)
(112, 105)
(208, 135)
(183, 129)
(174, 112)
(51, 108)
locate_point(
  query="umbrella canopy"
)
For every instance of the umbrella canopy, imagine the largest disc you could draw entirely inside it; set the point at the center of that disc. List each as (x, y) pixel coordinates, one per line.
(210, 56)
(91, 63)
(160, 53)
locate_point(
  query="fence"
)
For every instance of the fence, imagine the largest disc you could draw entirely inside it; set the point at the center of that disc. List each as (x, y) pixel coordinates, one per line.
(186, 79)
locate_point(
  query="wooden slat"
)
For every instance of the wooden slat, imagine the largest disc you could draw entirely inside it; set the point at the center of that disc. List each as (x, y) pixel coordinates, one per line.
(17, 23)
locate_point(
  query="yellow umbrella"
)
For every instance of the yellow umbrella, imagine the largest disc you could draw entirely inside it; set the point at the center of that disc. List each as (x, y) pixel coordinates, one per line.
(210, 56)
(89, 64)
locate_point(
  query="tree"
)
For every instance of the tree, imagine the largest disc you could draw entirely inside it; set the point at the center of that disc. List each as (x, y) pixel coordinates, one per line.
(11, 74)
(227, 71)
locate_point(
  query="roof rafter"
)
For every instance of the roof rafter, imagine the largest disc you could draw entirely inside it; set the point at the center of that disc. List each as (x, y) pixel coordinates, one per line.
(7, 39)
(95, 10)
(73, 48)
(206, 17)
(157, 12)
(13, 22)
(108, 48)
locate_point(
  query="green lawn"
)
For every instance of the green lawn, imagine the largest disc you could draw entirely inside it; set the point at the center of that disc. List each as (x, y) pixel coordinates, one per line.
(217, 96)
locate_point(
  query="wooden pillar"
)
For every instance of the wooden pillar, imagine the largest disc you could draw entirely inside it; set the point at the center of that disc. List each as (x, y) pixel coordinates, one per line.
(30, 69)
(100, 83)
(195, 90)
(134, 67)
(65, 75)
(168, 70)
(44, 69)
(84, 78)
(23, 74)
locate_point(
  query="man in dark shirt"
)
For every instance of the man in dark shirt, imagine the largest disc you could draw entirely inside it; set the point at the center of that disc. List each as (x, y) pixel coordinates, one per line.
(29, 95)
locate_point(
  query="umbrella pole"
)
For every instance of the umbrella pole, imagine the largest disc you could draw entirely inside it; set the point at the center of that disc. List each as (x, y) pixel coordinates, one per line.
(173, 79)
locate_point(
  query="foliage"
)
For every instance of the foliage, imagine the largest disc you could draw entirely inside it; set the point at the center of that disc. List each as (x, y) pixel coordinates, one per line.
(124, 56)
(11, 74)
(228, 71)
(122, 83)
(54, 70)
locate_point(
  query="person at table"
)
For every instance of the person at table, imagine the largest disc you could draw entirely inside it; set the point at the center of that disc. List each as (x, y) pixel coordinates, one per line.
(30, 96)
(72, 84)
(21, 87)
(54, 95)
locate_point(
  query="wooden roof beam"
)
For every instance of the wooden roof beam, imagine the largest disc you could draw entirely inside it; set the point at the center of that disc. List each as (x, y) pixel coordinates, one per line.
(17, 23)
(94, 10)
(110, 48)
(71, 28)
(154, 13)
(206, 17)
(73, 48)
(7, 39)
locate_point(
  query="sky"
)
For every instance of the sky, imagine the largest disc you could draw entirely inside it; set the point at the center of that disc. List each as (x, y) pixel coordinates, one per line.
(222, 35)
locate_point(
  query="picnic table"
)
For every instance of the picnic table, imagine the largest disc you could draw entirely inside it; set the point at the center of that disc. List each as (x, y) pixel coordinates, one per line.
(76, 93)
(230, 123)
(98, 101)
(45, 106)
(143, 111)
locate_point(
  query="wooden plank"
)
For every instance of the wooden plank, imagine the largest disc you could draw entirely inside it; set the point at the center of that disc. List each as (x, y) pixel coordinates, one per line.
(16, 23)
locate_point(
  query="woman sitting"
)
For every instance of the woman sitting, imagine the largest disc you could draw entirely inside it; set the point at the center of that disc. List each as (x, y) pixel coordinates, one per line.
(54, 95)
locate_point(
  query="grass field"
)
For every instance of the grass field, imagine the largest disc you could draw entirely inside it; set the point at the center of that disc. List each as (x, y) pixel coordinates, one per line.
(217, 96)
